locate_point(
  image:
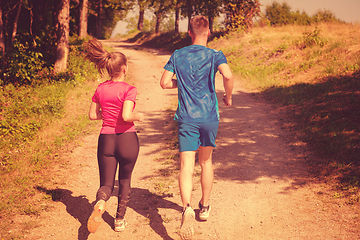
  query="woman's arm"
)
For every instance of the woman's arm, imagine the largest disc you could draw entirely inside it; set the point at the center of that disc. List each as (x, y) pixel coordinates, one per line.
(128, 114)
(167, 81)
(94, 112)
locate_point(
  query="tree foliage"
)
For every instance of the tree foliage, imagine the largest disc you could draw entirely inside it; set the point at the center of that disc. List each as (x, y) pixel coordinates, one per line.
(240, 14)
(281, 14)
(29, 30)
(32, 25)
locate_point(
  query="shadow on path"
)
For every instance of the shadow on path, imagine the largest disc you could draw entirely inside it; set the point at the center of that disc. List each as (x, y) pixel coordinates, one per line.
(147, 204)
(252, 145)
(141, 201)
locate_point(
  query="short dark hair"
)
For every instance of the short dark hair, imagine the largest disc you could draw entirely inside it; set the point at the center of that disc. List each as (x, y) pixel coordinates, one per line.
(199, 25)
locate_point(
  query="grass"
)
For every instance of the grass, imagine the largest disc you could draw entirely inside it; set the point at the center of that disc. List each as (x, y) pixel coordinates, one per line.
(313, 74)
(39, 124)
(33, 165)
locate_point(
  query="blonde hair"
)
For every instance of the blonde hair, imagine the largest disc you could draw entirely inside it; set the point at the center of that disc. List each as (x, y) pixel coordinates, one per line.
(112, 62)
(199, 25)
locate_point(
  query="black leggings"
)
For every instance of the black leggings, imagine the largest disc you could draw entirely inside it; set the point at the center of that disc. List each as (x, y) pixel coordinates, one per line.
(113, 149)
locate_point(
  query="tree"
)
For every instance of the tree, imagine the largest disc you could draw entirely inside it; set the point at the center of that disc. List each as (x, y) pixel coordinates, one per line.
(2, 35)
(161, 7)
(98, 19)
(240, 14)
(83, 18)
(209, 8)
(142, 5)
(10, 12)
(177, 15)
(14, 30)
(63, 29)
(278, 14)
(104, 14)
(189, 11)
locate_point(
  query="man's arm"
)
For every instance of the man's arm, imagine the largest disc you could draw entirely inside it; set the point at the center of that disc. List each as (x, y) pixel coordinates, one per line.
(228, 81)
(167, 81)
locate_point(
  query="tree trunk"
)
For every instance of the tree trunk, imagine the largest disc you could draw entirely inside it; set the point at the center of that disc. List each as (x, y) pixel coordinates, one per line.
(13, 35)
(158, 17)
(99, 23)
(177, 16)
(62, 49)
(141, 17)
(189, 12)
(2, 34)
(158, 20)
(84, 5)
(211, 23)
(31, 23)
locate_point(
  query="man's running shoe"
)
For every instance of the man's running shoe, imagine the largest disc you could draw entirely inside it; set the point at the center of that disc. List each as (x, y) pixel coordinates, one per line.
(186, 229)
(204, 212)
(95, 219)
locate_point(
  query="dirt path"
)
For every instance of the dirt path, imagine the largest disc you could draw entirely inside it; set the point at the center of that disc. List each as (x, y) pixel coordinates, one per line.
(261, 188)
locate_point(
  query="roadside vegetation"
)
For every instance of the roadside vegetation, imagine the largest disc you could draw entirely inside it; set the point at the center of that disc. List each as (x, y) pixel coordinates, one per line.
(308, 67)
(311, 73)
(39, 123)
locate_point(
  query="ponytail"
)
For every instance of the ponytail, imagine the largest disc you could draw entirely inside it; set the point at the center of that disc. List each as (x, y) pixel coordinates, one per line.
(112, 62)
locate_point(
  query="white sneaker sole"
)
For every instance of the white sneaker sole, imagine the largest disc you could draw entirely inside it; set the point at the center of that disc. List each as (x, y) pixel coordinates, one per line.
(187, 230)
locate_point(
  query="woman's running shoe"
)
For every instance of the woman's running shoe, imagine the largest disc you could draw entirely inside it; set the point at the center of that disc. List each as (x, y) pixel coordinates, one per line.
(120, 225)
(95, 219)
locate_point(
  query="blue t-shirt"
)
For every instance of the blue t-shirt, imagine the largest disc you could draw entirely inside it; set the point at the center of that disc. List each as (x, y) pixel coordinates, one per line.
(195, 67)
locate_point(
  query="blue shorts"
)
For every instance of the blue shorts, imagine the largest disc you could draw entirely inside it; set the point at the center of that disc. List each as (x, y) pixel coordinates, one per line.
(194, 135)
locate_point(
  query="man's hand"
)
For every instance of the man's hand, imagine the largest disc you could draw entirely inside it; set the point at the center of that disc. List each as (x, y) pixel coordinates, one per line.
(227, 100)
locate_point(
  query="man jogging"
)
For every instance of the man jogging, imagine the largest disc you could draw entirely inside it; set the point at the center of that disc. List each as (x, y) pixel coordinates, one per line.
(197, 114)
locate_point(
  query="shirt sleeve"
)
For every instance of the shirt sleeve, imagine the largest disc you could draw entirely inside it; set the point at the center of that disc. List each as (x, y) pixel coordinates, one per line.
(131, 94)
(95, 97)
(170, 65)
(220, 58)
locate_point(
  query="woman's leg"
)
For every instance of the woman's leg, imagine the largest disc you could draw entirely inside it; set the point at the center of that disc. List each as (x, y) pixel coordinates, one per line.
(127, 150)
(107, 166)
(107, 169)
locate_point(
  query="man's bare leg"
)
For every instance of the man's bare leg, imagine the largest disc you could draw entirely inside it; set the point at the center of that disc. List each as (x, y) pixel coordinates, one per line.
(187, 160)
(207, 173)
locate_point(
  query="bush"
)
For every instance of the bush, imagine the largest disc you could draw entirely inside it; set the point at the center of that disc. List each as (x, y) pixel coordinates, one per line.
(22, 65)
(281, 14)
(278, 15)
(324, 16)
(311, 38)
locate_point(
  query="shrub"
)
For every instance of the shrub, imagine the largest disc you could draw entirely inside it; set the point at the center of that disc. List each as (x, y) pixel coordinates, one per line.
(311, 38)
(278, 14)
(23, 64)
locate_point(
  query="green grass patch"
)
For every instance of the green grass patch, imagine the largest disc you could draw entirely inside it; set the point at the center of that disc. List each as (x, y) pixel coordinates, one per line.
(326, 115)
(38, 122)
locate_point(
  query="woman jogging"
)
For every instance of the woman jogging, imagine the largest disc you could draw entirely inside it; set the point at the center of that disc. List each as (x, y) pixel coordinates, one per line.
(118, 144)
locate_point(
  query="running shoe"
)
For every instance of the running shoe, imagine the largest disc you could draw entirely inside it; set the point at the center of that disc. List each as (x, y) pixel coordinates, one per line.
(95, 219)
(204, 212)
(120, 225)
(186, 229)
